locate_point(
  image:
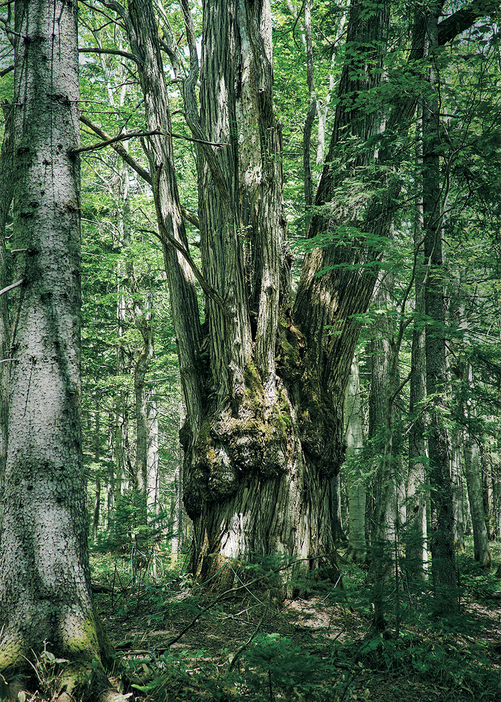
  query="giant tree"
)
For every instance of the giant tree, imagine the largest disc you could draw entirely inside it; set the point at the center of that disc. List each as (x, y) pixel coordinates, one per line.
(261, 464)
(264, 379)
(45, 591)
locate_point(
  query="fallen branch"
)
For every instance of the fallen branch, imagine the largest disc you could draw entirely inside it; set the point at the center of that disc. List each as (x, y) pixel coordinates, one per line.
(248, 642)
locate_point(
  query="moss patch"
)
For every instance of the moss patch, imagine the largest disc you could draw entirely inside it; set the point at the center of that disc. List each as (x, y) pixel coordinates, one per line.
(247, 438)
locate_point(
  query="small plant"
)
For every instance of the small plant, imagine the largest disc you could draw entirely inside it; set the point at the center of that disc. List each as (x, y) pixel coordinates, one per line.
(47, 669)
(275, 662)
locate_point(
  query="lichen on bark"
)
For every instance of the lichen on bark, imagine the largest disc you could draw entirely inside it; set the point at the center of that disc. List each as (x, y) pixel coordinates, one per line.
(45, 591)
(246, 438)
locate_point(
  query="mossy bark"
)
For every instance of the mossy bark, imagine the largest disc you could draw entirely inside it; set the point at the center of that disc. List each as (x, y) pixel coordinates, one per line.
(45, 591)
(263, 454)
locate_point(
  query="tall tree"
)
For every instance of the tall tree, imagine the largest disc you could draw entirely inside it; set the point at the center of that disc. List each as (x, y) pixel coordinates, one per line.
(357, 544)
(415, 538)
(265, 382)
(44, 570)
(442, 534)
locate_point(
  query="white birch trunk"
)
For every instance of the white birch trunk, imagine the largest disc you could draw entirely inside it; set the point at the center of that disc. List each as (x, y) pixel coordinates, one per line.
(357, 545)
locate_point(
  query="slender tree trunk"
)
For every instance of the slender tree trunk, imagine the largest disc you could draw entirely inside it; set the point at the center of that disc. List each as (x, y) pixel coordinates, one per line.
(96, 515)
(496, 499)
(145, 440)
(486, 490)
(459, 492)
(380, 423)
(416, 525)
(44, 569)
(178, 516)
(442, 535)
(357, 545)
(152, 462)
(384, 385)
(473, 473)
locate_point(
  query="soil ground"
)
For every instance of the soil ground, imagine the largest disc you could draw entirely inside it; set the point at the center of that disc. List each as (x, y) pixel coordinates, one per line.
(320, 647)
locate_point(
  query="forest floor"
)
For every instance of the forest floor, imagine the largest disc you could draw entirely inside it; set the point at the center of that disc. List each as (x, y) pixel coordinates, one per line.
(318, 648)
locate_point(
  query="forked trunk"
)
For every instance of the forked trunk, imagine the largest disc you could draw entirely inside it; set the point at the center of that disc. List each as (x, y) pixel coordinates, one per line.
(249, 486)
(260, 472)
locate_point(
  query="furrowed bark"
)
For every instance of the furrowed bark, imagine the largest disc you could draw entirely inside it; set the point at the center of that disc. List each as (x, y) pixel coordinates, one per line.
(7, 179)
(144, 39)
(44, 569)
(249, 458)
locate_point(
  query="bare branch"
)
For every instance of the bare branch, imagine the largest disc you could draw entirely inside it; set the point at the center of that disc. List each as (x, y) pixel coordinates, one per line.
(8, 29)
(113, 140)
(116, 52)
(98, 9)
(121, 151)
(11, 287)
(247, 643)
(131, 161)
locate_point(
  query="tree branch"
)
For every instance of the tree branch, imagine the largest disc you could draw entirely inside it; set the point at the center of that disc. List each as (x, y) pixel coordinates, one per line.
(167, 240)
(101, 12)
(113, 140)
(190, 217)
(121, 151)
(11, 287)
(116, 52)
(247, 643)
(169, 43)
(131, 161)
(464, 18)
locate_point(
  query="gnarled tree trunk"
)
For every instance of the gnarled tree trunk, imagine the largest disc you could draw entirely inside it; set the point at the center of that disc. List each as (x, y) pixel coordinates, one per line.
(264, 384)
(260, 475)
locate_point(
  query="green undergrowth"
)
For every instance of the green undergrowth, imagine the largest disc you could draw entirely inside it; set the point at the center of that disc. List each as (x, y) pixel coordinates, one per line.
(274, 655)
(177, 641)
